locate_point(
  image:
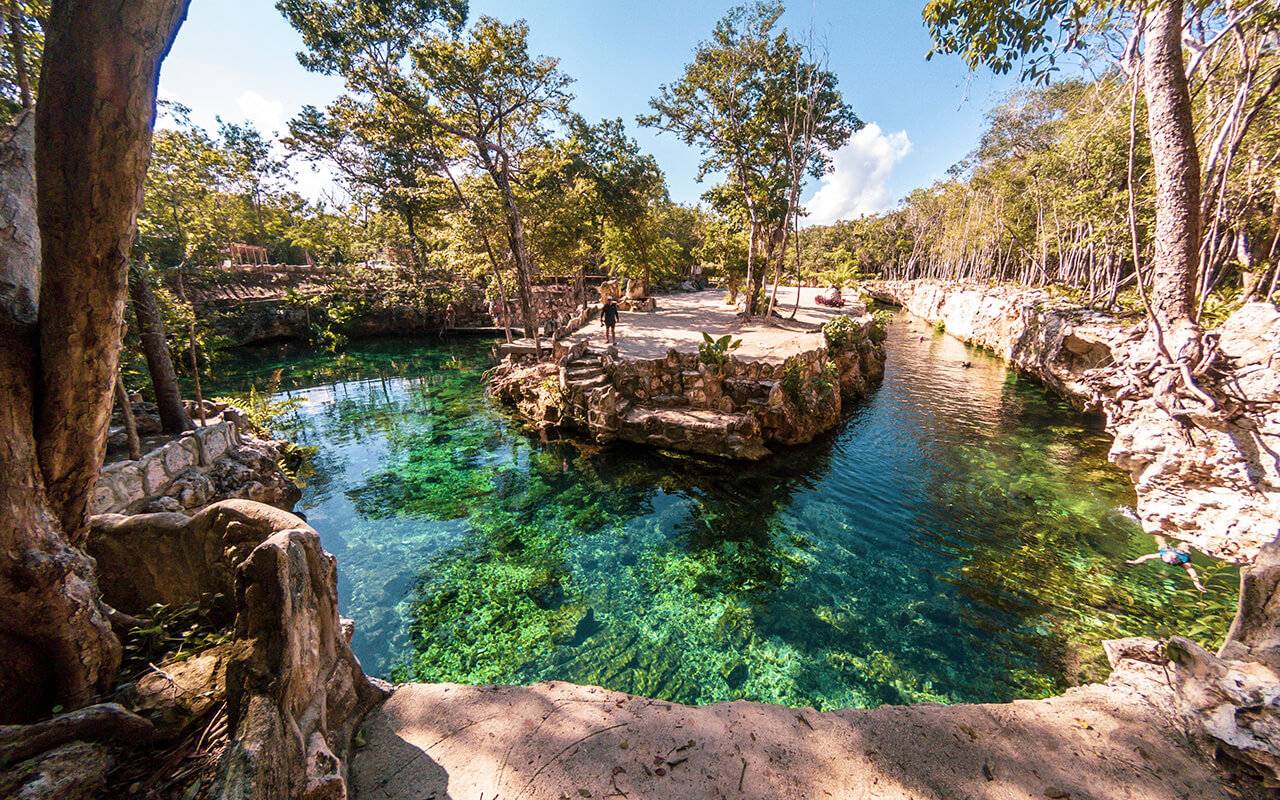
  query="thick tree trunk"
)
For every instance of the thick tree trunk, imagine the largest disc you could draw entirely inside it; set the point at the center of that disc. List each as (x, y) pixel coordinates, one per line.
(93, 143)
(155, 346)
(58, 364)
(55, 642)
(1177, 170)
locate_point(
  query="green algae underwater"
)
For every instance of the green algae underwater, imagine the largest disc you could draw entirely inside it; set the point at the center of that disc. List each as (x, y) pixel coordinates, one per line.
(959, 537)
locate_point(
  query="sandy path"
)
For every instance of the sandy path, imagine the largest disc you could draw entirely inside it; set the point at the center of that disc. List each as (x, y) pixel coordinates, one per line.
(681, 318)
(558, 741)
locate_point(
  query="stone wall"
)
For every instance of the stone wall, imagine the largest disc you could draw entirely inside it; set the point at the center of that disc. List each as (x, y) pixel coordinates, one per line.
(217, 462)
(732, 409)
(1208, 478)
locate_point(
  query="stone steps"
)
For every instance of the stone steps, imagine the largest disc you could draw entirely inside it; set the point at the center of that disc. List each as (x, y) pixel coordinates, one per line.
(587, 384)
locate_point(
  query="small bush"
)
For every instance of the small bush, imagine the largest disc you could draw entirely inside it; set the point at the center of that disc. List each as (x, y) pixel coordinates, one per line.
(830, 302)
(793, 379)
(839, 331)
(716, 351)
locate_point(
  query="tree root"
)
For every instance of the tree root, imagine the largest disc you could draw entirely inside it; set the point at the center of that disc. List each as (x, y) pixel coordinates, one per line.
(107, 722)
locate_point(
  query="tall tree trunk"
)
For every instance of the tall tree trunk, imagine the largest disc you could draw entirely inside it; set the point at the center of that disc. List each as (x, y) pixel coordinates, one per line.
(1177, 170)
(58, 365)
(93, 144)
(155, 346)
(515, 232)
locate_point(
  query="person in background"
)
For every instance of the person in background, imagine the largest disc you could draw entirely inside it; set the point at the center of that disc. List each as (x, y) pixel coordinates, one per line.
(1173, 556)
(609, 318)
(450, 317)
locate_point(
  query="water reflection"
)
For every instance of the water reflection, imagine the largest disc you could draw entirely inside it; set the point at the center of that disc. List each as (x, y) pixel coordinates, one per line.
(958, 538)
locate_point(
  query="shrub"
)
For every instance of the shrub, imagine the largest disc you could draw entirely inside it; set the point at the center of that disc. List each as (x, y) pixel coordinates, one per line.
(839, 331)
(793, 379)
(715, 351)
(830, 302)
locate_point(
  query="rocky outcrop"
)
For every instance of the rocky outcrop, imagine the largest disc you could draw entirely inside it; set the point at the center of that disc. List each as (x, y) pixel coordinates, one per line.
(1234, 696)
(295, 691)
(733, 408)
(1209, 479)
(223, 460)
(175, 560)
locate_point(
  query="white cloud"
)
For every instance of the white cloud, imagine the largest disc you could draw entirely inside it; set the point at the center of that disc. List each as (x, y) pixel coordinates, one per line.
(857, 185)
(266, 115)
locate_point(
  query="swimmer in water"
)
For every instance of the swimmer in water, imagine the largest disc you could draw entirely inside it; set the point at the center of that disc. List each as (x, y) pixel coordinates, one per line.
(1173, 556)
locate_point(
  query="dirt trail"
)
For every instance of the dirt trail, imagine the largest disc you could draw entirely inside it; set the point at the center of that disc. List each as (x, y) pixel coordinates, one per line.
(558, 741)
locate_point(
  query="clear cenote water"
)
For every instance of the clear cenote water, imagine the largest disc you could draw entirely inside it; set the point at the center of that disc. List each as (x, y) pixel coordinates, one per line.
(958, 538)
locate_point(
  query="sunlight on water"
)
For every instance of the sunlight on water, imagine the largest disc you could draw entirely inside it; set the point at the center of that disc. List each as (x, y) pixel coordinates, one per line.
(959, 537)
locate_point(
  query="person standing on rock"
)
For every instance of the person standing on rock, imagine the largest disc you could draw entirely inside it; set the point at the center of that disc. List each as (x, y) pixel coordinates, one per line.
(609, 318)
(1173, 556)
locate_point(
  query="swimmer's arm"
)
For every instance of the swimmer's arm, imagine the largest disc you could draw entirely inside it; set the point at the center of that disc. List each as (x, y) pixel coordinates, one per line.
(1141, 559)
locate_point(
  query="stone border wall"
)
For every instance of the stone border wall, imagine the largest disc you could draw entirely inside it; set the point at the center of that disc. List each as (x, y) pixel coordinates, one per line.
(731, 409)
(125, 485)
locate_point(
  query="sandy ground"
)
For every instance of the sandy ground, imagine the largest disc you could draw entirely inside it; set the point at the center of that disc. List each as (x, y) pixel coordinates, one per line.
(681, 319)
(558, 741)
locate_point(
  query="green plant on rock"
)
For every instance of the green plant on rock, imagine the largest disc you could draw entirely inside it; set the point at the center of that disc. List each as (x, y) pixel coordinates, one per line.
(793, 379)
(940, 326)
(174, 633)
(716, 351)
(839, 331)
(267, 414)
(824, 383)
(879, 330)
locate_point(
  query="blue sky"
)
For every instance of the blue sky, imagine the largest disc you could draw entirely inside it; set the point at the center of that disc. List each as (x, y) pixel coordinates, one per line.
(235, 59)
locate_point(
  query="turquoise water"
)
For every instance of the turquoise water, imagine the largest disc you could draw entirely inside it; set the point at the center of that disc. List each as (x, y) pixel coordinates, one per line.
(959, 537)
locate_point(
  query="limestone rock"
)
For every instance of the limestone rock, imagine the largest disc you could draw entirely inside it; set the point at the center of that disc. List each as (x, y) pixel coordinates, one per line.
(74, 771)
(295, 691)
(1212, 481)
(182, 691)
(172, 559)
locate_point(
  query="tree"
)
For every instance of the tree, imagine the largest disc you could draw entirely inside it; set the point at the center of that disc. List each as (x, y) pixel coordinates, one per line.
(58, 366)
(380, 152)
(252, 169)
(24, 22)
(155, 347)
(1004, 34)
(764, 113)
(482, 88)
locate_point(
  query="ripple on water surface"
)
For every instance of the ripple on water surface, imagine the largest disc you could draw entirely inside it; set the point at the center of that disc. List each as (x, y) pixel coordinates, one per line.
(959, 537)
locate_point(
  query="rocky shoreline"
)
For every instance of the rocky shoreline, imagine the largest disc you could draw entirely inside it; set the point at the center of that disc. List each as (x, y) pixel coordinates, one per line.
(724, 406)
(1210, 480)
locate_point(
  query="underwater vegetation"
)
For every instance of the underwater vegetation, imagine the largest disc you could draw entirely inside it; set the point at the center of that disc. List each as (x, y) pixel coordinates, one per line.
(959, 538)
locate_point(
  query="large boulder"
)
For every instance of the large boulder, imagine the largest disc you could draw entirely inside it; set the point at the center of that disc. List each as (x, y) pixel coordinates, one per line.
(175, 560)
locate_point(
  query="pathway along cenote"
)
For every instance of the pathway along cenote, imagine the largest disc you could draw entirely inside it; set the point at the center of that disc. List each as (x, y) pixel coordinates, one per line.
(958, 538)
